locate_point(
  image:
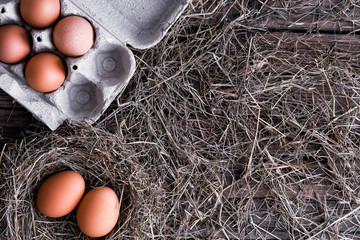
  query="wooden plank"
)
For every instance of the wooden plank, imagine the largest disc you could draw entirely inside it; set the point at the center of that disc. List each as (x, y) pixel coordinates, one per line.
(312, 182)
(264, 219)
(13, 118)
(309, 191)
(314, 45)
(307, 15)
(324, 190)
(298, 62)
(309, 63)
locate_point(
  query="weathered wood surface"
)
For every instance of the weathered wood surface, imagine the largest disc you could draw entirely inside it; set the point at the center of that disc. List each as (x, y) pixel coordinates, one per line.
(308, 15)
(275, 15)
(13, 118)
(303, 35)
(290, 24)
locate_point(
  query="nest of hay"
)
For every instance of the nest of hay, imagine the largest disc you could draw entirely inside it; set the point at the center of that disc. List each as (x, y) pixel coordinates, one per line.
(222, 133)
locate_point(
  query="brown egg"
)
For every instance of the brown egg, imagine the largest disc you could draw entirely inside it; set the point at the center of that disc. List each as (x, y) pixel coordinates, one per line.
(98, 212)
(60, 194)
(73, 36)
(45, 72)
(15, 44)
(40, 13)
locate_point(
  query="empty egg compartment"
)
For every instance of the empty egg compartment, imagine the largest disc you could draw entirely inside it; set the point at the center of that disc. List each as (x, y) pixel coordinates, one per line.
(110, 65)
(80, 99)
(95, 79)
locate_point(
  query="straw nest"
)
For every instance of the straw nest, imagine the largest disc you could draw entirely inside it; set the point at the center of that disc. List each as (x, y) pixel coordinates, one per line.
(223, 132)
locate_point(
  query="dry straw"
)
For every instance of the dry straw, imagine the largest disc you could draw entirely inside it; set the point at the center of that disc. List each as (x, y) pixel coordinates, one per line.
(226, 131)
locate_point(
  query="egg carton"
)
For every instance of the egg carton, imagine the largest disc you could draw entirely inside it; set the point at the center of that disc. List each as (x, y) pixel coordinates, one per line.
(95, 79)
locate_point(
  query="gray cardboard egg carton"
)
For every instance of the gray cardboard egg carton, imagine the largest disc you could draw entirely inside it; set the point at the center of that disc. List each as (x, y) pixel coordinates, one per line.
(95, 79)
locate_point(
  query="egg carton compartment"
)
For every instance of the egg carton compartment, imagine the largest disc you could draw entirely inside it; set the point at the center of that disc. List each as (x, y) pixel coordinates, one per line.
(94, 80)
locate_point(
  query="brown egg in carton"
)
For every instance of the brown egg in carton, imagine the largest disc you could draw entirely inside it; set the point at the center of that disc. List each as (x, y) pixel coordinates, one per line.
(95, 79)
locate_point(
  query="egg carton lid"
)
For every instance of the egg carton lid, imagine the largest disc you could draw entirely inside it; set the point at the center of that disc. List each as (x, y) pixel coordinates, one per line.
(139, 23)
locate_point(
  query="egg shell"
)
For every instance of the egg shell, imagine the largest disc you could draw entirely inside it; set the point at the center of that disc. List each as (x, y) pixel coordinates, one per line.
(60, 194)
(73, 36)
(45, 72)
(40, 13)
(98, 212)
(15, 44)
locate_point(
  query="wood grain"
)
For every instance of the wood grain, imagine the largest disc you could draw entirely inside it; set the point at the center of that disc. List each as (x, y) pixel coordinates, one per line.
(291, 53)
(13, 118)
(270, 223)
(307, 15)
(282, 56)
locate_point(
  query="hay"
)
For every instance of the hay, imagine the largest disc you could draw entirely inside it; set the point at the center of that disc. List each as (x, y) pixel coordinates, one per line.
(222, 133)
